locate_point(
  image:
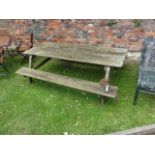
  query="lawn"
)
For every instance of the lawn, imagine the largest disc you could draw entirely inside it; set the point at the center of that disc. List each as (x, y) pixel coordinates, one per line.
(46, 108)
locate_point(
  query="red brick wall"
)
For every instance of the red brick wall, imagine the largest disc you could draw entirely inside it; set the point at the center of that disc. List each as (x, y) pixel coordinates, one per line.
(115, 33)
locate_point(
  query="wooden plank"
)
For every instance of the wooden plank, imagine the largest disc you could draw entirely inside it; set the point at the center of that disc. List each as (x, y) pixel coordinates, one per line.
(84, 85)
(89, 51)
(97, 48)
(144, 130)
(42, 63)
(85, 54)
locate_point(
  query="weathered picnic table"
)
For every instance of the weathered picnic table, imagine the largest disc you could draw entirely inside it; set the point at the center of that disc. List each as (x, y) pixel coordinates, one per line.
(97, 55)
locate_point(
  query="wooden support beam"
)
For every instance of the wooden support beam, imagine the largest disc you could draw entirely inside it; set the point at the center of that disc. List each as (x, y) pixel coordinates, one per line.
(103, 99)
(30, 66)
(107, 76)
(105, 83)
(42, 63)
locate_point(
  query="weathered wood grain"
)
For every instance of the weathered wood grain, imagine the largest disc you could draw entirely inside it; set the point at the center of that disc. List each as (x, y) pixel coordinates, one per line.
(97, 48)
(98, 55)
(143, 130)
(83, 85)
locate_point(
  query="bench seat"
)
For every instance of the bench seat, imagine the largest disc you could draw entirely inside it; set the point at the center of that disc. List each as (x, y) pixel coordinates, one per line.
(92, 87)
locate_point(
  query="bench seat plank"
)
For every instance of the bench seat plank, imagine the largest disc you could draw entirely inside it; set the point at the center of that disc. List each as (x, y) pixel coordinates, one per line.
(83, 85)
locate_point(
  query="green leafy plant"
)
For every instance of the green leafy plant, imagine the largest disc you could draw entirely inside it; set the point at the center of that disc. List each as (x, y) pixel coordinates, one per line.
(111, 22)
(137, 22)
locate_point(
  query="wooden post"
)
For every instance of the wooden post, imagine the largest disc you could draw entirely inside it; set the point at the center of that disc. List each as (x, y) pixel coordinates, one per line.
(42, 63)
(103, 99)
(30, 66)
(107, 76)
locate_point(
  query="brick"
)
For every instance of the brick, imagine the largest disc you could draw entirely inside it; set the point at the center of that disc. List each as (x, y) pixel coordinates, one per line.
(133, 38)
(136, 48)
(150, 34)
(43, 35)
(102, 23)
(90, 25)
(53, 25)
(119, 34)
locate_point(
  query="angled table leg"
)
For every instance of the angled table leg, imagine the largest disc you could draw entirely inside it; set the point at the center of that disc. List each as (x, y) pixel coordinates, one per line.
(42, 63)
(30, 66)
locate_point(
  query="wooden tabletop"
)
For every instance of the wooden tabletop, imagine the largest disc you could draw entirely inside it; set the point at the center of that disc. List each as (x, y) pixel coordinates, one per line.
(98, 55)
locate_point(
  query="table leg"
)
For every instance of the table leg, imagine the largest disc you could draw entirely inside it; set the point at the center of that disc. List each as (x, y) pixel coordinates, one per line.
(107, 76)
(30, 66)
(103, 99)
(42, 63)
(105, 83)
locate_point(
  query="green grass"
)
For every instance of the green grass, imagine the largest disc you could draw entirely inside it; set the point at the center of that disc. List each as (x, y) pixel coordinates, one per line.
(46, 108)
